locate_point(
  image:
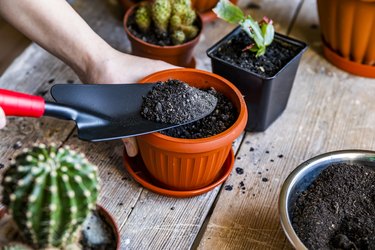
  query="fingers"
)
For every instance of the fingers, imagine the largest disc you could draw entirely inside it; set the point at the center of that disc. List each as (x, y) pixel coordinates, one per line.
(131, 146)
(2, 118)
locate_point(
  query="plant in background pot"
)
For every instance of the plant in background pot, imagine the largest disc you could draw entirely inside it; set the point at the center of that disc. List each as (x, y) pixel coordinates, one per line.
(203, 7)
(348, 35)
(190, 164)
(50, 195)
(260, 62)
(165, 30)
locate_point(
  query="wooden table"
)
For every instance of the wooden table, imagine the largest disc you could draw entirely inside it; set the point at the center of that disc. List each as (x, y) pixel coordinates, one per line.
(328, 110)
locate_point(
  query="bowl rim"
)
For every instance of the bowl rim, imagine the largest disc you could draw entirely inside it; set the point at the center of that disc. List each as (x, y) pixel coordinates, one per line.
(297, 173)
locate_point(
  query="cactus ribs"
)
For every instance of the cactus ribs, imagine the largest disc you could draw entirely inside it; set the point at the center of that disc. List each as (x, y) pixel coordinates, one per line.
(164, 22)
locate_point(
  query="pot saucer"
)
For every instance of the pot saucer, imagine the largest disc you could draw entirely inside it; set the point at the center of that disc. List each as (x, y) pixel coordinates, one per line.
(137, 169)
(347, 65)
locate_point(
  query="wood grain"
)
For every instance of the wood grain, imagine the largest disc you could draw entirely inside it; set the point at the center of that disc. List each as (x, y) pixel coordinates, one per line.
(328, 110)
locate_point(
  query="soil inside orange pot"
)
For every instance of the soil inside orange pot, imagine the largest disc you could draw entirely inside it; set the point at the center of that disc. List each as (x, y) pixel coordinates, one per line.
(337, 211)
(168, 101)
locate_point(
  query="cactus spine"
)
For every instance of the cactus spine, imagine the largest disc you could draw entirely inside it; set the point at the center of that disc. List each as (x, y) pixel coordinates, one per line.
(49, 192)
(173, 17)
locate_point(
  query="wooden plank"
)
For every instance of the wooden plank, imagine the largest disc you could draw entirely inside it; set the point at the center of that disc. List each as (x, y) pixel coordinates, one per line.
(327, 110)
(119, 193)
(153, 223)
(167, 223)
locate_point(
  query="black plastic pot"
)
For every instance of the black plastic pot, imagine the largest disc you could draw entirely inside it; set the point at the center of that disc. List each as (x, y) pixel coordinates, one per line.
(266, 97)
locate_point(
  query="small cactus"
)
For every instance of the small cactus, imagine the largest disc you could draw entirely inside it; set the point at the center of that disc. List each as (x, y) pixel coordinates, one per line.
(161, 11)
(49, 192)
(169, 17)
(143, 17)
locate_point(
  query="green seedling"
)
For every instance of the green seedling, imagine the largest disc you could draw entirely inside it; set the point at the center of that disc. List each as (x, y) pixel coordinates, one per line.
(261, 32)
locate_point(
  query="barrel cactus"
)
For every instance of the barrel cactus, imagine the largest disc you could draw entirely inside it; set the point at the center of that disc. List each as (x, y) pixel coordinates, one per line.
(175, 18)
(49, 192)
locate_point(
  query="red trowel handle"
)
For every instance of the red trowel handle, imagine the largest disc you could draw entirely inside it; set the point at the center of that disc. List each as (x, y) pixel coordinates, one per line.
(20, 104)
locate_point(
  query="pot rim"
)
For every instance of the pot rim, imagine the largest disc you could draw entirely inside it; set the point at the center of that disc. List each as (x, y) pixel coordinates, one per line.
(298, 173)
(186, 44)
(232, 132)
(112, 223)
(302, 45)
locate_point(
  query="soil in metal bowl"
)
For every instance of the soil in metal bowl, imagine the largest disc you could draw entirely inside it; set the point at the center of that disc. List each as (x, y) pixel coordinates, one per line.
(337, 211)
(277, 55)
(169, 101)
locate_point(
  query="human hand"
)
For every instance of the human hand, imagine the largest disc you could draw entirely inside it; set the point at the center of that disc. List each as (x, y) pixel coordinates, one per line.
(2, 118)
(117, 67)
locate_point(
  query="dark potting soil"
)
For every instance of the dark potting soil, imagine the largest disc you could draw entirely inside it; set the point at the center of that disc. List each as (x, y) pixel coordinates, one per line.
(151, 36)
(176, 102)
(337, 211)
(97, 234)
(223, 116)
(277, 55)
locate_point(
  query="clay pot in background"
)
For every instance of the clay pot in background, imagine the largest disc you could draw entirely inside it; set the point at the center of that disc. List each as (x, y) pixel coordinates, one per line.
(180, 55)
(202, 6)
(348, 33)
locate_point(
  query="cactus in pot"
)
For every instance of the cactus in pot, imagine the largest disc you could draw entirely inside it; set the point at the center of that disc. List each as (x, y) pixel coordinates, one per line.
(49, 192)
(174, 18)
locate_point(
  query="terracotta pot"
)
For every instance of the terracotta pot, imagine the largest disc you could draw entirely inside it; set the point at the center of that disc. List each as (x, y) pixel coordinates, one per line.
(188, 164)
(109, 219)
(180, 55)
(101, 210)
(202, 6)
(348, 35)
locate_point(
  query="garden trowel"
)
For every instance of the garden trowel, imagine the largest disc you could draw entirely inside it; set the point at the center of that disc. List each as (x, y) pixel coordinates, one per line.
(101, 111)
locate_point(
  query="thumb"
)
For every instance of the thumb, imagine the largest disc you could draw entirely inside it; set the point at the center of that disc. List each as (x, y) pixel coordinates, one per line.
(2, 118)
(131, 146)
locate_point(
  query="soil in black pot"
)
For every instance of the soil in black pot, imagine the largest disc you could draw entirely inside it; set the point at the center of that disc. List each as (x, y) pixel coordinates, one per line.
(151, 36)
(169, 101)
(337, 211)
(277, 55)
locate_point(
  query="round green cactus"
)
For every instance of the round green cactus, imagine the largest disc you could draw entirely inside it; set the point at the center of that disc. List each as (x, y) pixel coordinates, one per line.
(49, 192)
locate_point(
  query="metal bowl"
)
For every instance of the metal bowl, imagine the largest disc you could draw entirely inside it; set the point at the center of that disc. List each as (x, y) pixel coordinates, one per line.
(305, 174)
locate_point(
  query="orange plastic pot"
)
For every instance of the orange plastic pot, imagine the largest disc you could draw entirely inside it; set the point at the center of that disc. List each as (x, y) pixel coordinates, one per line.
(202, 6)
(180, 55)
(189, 164)
(348, 35)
